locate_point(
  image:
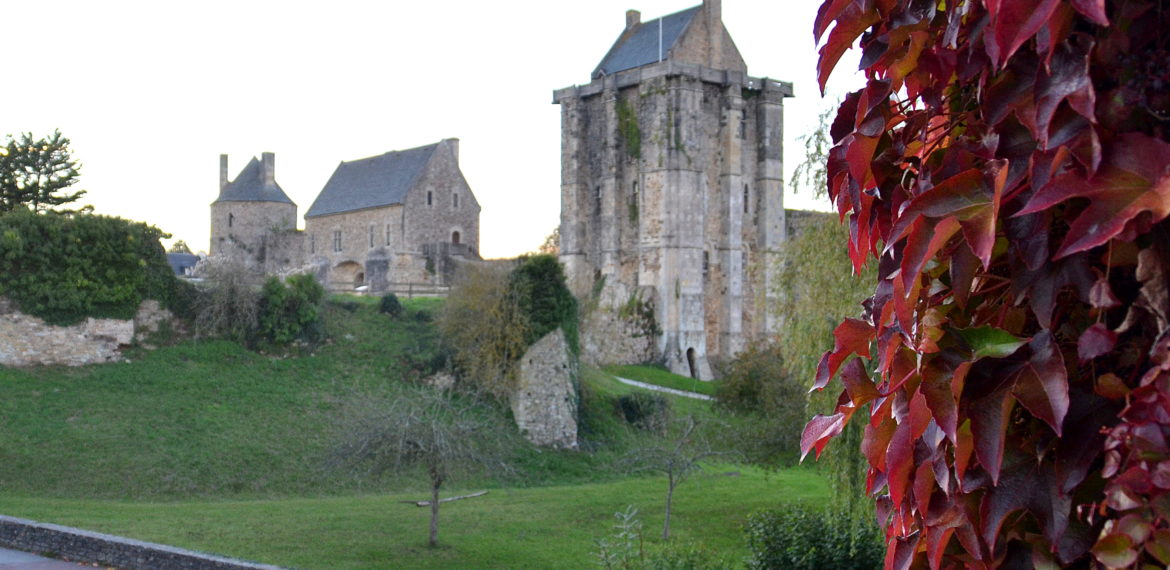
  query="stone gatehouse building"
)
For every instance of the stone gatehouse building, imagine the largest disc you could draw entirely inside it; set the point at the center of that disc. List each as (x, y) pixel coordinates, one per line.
(393, 219)
(671, 189)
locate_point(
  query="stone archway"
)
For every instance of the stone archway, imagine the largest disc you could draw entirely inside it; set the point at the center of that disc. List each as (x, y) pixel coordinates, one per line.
(347, 275)
(691, 363)
(455, 237)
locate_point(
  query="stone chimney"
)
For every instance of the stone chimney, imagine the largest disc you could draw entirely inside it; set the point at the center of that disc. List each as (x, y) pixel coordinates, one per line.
(633, 18)
(454, 148)
(714, 11)
(268, 164)
(223, 165)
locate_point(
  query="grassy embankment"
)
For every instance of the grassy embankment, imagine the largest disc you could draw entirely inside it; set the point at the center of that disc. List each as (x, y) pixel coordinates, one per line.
(208, 446)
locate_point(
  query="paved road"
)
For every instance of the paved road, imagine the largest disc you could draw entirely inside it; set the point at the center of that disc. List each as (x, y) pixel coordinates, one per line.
(16, 560)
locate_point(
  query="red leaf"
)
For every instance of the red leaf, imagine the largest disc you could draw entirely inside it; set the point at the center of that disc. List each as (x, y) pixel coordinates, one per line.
(969, 198)
(1014, 23)
(858, 384)
(860, 155)
(937, 392)
(828, 12)
(1042, 384)
(819, 431)
(1133, 179)
(989, 421)
(1093, 10)
(852, 337)
(851, 23)
(876, 442)
(936, 543)
(1067, 78)
(1095, 341)
(900, 461)
(1101, 295)
(923, 242)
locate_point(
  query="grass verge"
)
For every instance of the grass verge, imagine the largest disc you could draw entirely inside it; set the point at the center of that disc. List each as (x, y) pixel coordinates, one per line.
(660, 377)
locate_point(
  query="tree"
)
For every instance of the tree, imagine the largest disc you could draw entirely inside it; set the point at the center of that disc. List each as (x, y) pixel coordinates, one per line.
(677, 458)
(1005, 165)
(37, 173)
(484, 324)
(446, 436)
(229, 306)
(179, 246)
(552, 243)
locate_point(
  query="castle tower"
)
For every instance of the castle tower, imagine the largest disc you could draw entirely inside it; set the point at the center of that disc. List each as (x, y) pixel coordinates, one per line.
(671, 185)
(253, 219)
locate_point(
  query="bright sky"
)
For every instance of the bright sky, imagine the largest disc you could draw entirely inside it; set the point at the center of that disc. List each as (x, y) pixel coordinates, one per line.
(152, 92)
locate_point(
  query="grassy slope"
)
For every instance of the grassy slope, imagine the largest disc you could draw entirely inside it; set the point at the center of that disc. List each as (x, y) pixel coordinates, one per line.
(544, 527)
(246, 437)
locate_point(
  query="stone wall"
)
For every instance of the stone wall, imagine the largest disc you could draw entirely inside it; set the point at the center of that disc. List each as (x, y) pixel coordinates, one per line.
(240, 230)
(109, 551)
(545, 401)
(619, 328)
(26, 340)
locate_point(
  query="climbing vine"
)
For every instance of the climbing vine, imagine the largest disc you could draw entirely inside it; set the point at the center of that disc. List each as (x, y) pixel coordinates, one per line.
(1005, 165)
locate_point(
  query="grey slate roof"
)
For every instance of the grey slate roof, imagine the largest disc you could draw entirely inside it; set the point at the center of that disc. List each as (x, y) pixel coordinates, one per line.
(371, 182)
(249, 187)
(640, 46)
(180, 262)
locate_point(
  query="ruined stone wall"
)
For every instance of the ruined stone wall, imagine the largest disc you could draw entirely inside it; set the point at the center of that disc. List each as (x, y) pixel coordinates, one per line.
(544, 403)
(26, 340)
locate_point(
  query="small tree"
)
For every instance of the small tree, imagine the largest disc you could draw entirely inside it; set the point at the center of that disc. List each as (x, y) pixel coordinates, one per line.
(179, 246)
(677, 458)
(482, 321)
(229, 306)
(37, 173)
(446, 436)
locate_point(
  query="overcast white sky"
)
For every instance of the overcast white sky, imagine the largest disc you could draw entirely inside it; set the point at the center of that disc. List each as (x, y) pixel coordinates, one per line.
(152, 92)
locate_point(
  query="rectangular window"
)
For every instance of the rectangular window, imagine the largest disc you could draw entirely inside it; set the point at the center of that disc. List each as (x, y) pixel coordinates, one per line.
(336, 240)
(312, 243)
(387, 234)
(371, 236)
(429, 197)
(455, 200)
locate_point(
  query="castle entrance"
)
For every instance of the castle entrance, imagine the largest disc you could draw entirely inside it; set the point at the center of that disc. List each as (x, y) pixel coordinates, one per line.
(347, 275)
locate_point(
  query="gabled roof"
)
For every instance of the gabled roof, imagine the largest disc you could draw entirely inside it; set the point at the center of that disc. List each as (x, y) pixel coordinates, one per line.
(249, 186)
(640, 46)
(371, 182)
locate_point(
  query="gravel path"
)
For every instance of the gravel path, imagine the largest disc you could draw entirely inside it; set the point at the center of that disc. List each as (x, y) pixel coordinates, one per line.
(682, 393)
(17, 560)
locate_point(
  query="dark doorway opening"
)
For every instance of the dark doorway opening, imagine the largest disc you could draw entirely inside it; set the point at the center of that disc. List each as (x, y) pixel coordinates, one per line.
(691, 362)
(455, 238)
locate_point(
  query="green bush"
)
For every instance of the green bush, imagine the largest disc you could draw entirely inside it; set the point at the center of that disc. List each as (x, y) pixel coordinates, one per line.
(538, 286)
(801, 537)
(758, 383)
(64, 268)
(290, 311)
(390, 305)
(644, 410)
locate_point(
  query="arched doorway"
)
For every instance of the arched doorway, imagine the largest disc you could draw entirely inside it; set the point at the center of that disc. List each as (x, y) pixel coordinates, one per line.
(691, 362)
(347, 275)
(455, 238)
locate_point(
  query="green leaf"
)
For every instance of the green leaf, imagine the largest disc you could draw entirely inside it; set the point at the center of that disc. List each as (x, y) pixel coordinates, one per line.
(1115, 550)
(990, 342)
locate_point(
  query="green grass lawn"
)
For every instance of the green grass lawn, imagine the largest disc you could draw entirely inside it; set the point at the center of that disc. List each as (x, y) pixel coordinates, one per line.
(660, 377)
(547, 527)
(206, 445)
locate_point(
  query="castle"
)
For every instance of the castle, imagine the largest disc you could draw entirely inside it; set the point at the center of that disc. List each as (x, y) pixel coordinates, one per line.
(380, 222)
(671, 190)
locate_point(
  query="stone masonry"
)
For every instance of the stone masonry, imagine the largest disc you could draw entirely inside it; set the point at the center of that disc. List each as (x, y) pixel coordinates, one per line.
(26, 340)
(545, 402)
(672, 179)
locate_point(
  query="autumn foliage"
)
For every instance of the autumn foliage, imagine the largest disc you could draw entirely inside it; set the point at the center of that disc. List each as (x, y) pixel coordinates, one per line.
(1007, 168)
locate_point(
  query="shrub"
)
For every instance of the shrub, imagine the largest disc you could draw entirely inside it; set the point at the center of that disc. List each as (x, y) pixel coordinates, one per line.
(643, 410)
(227, 306)
(801, 537)
(391, 306)
(539, 289)
(758, 382)
(291, 310)
(64, 268)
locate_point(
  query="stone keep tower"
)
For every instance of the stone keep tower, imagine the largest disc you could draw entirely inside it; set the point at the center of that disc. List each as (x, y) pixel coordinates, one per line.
(253, 219)
(671, 185)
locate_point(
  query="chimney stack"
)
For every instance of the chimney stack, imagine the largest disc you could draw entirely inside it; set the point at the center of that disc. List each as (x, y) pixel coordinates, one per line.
(268, 162)
(223, 165)
(714, 10)
(454, 148)
(633, 18)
